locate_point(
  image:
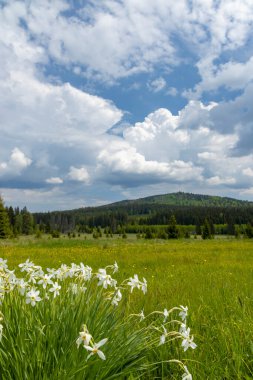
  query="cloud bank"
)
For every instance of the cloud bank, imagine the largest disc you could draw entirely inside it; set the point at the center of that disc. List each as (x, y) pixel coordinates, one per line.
(56, 134)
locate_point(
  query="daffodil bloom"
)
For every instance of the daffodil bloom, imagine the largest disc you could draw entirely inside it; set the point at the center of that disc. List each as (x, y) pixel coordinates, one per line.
(144, 286)
(105, 279)
(3, 264)
(27, 266)
(117, 298)
(183, 313)
(115, 267)
(186, 375)
(21, 285)
(33, 296)
(187, 341)
(142, 316)
(166, 314)
(84, 337)
(85, 272)
(95, 349)
(134, 282)
(163, 336)
(55, 289)
(45, 280)
(183, 328)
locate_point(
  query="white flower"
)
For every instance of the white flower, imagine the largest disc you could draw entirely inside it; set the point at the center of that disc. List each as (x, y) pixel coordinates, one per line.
(187, 341)
(105, 279)
(183, 313)
(183, 328)
(115, 267)
(84, 337)
(163, 336)
(186, 375)
(166, 314)
(55, 289)
(3, 264)
(95, 349)
(27, 266)
(134, 282)
(142, 316)
(45, 280)
(144, 285)
(33, 296)
(117, 298)
(21, 285)
(83, 289)
(74, 288)
(85, 272)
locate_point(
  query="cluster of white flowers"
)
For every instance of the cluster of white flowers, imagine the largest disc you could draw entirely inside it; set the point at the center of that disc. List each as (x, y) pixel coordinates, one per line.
(86, 340)
(134, 282)
(38, 285)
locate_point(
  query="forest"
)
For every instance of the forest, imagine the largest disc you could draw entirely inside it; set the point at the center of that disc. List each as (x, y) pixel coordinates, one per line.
(164, 216)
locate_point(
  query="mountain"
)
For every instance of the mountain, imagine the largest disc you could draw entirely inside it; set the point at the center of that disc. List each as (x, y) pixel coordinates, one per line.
(181, 199)
(188, 209)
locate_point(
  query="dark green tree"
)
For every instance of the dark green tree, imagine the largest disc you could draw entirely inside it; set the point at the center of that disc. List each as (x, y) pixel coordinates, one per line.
(206, 230)
(27, 222)
(4, 222)
(249, 231)
(172, 229)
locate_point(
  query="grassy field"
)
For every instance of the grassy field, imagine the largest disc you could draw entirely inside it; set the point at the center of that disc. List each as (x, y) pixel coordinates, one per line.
(213, 278)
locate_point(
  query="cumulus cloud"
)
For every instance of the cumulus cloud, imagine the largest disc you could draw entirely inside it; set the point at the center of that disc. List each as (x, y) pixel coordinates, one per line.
(79, 174)
(248, 172)
(17, 162)
(54, 180)
(157, 84)
(56, 134)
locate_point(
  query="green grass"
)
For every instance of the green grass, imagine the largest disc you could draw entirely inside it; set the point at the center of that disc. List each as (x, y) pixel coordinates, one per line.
(214, 278)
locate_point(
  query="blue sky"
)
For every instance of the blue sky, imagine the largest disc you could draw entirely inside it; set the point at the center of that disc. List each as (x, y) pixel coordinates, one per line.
(103, 100)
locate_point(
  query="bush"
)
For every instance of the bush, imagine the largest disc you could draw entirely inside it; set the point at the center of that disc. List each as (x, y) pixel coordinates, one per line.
(55, 234)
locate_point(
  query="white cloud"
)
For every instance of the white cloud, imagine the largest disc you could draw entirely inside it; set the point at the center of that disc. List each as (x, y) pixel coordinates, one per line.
(157, 84)
(54, 180)
(248, 172)
(17, 162)
(59, 131)
(172, 91)
(79, 174)
(220, 181)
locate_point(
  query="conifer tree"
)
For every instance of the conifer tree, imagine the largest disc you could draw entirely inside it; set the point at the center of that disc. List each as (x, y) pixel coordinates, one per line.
(4, 221)
(206, 230)
(172, 229)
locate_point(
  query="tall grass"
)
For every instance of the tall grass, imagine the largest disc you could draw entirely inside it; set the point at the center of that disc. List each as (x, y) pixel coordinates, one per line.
(83, 329)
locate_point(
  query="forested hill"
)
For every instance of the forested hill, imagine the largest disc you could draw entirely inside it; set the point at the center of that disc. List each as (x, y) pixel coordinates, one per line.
(183, 199)
(188, 209)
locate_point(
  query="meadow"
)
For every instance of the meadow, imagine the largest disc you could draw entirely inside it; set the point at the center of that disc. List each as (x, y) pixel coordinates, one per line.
(213, 278)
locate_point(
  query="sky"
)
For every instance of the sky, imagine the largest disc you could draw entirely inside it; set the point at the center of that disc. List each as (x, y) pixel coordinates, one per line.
(103, 100)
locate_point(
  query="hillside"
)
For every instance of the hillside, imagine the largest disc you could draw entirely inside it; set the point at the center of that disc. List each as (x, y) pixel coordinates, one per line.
(182, 199)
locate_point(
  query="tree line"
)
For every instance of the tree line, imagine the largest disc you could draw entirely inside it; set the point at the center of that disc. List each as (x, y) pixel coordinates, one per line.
(149, 221)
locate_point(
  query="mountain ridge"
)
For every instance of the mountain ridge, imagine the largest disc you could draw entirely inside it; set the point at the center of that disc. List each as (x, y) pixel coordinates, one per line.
(182, 199)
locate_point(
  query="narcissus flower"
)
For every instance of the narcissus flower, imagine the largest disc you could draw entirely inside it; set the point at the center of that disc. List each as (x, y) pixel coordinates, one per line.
(33, 296)
(186, 375)
(55, 289)
(84, 337)
(184, 312)
(95, 349)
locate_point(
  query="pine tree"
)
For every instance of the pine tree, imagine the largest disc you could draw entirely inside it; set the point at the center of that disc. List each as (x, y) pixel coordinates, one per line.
(4, 222)
(206, 230)
(172, 229)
